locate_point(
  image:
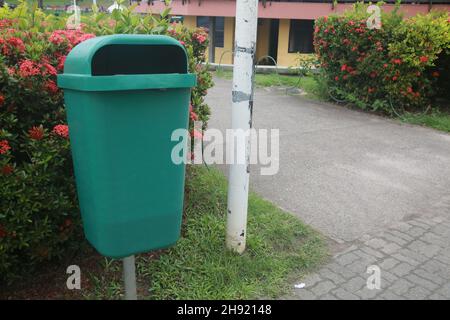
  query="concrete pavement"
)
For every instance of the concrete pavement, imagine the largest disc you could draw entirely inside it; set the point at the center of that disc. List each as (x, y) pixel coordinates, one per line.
(356, 177)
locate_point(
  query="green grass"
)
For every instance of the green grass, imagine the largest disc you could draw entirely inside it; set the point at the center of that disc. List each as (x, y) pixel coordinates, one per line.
(272, 79)
(437, 120)
(279, 248)
(308, 83)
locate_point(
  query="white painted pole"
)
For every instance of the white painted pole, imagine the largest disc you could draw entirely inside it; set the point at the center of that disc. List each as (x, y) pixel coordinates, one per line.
(241, 119)
(129, 278)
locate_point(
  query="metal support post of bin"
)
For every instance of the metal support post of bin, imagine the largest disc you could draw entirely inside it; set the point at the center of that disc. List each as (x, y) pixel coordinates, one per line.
(129, 278)
(241, 121)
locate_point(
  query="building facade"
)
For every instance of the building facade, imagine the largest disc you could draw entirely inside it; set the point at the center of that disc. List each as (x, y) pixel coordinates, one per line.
(285, 27)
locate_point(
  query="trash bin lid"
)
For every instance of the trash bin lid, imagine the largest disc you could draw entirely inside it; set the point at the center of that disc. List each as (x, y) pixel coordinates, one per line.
(127, 62)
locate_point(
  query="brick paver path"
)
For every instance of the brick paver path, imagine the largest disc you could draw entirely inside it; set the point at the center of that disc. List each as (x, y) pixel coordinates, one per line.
(414, 262)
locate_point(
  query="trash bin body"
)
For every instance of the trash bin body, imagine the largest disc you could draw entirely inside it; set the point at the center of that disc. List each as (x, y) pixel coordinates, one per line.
(120, 125)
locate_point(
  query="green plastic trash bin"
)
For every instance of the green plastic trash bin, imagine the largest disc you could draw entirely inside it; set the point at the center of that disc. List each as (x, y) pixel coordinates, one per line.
(125, 95)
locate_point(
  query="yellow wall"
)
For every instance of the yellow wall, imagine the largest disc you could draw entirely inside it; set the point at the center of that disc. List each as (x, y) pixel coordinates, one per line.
(285, 59)
(191, 22)
(228, 41)
(262, 42)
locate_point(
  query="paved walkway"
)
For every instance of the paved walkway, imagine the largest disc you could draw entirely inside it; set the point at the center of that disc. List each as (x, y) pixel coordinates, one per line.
(414, 262)
(379, 189)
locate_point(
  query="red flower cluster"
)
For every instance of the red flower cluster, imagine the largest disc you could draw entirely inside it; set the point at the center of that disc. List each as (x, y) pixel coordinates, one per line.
(7, 169)
(71, 37)
(423, 59)
(61, 61)
(199, 37)
(2, 99)
(56, 38)
(51, 87)
(172, 32)
(17, 43)
(4, 146)
(4, 23)
(379, 46)
(49, 69)
(192, 114)
(11, 43)
(61, 130)
(28, 68)
(349, 69)
(36, 133)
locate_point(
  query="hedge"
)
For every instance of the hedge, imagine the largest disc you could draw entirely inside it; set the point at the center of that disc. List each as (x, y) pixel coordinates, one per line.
(39, 216)
(393, 69)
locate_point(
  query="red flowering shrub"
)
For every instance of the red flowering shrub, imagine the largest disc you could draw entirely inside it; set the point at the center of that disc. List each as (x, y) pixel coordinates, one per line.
(39, 216)
(37, 199)
(37, 194)
(391, 68)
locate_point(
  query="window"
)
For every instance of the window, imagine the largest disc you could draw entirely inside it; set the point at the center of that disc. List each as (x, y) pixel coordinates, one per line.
(176, 19)
(203, 22)
(219, 32)
(301, 35)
